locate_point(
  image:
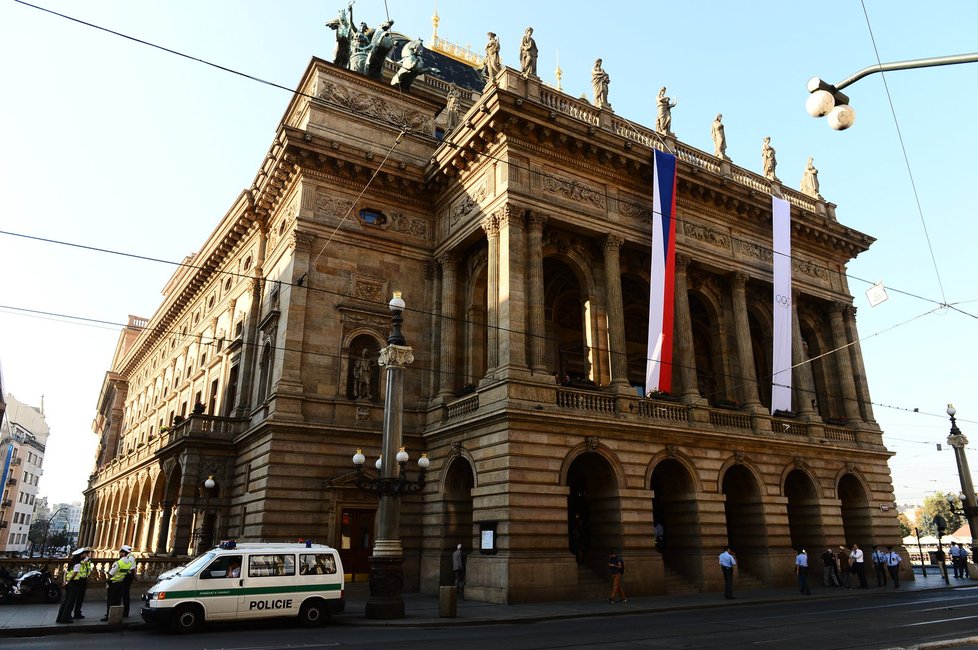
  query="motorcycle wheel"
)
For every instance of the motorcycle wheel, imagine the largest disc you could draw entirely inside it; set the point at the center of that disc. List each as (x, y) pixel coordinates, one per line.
(52, 594)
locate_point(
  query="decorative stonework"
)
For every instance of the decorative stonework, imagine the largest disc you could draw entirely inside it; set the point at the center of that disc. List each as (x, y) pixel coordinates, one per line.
(396, 355)
(363, 413)
(369, 287)
(329, 206)
(672, 451)
(565, 243)
(573, 190)
(739, 457)
(810, 269)
(707, 235)
(414, 227)
(631, 209)
(456, 450)
(354, 321)
(375, 107)
(468, 204)
(755, 250)
(591, 442)
(302, 241)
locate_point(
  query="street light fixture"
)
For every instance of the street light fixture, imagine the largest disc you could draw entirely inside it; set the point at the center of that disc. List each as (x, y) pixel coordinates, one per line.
(828, 100)
(387, 559)
(969, 505)
(205, 532)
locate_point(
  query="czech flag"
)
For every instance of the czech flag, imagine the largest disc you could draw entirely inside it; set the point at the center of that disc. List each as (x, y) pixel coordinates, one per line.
(658, 369)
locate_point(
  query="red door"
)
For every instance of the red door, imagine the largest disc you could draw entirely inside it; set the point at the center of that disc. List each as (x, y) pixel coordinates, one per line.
(356, 542)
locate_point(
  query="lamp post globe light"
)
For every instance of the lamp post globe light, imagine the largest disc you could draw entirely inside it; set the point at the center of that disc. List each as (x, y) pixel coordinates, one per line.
(969, 506)
(387, 560)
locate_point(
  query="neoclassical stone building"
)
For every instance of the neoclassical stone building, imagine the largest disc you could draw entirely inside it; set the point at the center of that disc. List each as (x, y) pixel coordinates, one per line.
(521, 242)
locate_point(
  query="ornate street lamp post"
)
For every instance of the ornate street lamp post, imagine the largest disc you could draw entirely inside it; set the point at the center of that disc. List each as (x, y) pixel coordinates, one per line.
(958, 441)
(386, 562)
(205, 532)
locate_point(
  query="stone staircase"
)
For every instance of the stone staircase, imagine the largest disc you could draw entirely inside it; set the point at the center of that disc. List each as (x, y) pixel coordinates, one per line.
(591, 586)
(744, 581)
(676, 584)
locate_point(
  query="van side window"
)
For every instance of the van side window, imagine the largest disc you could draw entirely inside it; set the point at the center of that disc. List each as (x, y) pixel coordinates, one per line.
(271, 565)
(317, 564)
(226, 566)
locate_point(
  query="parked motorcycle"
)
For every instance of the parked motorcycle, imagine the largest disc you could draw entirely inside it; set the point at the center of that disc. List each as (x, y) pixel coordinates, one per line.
(36, 584)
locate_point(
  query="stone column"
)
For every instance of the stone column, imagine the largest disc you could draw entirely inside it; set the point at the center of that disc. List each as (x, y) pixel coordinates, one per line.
(183, 516)
(616, 313)
(449, 326)
(491, 225)
(683, 329)
(536, 325)
(511, 304)
(146, 534)
(803, 384)
(249, 353)
(856, 353)
(745, 350)
(162, 539)
(847, 384)
(432, 376)
(293, 337)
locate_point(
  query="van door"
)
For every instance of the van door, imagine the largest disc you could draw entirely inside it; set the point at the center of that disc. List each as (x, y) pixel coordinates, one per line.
(217, 587)
(270, 586)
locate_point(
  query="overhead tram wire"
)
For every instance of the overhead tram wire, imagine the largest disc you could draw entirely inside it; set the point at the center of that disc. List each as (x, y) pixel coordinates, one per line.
(906, 156)
(421, 135)
(400, 136)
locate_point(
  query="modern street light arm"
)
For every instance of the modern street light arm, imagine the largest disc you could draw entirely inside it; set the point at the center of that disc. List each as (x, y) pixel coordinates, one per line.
(931, 62)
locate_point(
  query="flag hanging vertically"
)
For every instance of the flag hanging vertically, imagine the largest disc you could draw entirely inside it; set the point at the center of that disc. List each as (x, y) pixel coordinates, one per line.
(658, 369)
(781, 377)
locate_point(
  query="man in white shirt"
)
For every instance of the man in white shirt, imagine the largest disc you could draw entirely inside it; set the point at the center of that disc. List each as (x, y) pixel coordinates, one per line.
(801, 570)
(727, 563)
(859, 564)
(893, 561)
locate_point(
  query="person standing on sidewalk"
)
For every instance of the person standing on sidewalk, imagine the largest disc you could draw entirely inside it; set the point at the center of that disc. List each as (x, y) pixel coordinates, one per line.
(74, 580)
(879, 565)
(616, 566)
(801, 570)
(956, 559)
(118, 587)
(458, 566)
(830, 575)
(893, 562)
(859, 565)
(727, 564)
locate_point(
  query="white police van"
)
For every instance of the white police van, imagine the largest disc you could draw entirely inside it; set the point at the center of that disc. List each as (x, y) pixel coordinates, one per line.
(249, 581)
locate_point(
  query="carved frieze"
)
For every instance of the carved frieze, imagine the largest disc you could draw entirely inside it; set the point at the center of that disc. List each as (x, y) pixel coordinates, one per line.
(632, 209)
(331, 206)
(756, 251)
(468, 203)
(368, 287)
(573, 190)
(804, 267)
(414, 227)
(375, 107)
(707, 235)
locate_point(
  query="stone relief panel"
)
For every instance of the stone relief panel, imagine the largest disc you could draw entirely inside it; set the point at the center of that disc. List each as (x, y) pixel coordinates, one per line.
(468, 203)
(707, 235)
(631, 208)
(409, 226)
(804, 267)
(368, 287)
(566, 243)
(375, 106)
(574, 190)
(332, 206)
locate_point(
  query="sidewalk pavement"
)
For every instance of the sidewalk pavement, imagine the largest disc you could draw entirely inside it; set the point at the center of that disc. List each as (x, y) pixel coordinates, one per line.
(28, 620)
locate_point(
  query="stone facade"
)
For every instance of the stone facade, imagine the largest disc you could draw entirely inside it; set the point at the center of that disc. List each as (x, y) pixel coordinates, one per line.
(521, 245)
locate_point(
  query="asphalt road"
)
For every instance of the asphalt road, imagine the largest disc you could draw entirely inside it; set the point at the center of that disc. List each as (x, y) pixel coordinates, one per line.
(888, 620)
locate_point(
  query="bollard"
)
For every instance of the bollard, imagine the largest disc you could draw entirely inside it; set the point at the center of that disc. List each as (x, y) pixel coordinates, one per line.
(115, 615)
(446, 602)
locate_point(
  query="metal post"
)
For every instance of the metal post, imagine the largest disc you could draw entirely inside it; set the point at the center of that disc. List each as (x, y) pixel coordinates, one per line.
(920, 549)
(957, 440)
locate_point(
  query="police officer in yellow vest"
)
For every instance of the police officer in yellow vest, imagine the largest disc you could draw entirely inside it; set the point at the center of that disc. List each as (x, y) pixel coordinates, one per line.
(75, 582)
(120, 577)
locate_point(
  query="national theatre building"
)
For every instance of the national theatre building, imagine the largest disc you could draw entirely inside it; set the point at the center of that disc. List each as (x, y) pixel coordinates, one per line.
(516, 221)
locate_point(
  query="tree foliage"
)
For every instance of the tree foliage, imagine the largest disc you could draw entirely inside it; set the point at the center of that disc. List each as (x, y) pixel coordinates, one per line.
(906, 528)
(938, 505)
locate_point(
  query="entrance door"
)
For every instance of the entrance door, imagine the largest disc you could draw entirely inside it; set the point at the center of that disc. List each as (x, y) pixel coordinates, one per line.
(356, 542)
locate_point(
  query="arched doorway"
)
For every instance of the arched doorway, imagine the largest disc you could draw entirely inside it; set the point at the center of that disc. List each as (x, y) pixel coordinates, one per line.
(857, 525)
(804, 517)
(674, 507)
(457, 500)
(593, 511)
(568, 331)
(746, 528)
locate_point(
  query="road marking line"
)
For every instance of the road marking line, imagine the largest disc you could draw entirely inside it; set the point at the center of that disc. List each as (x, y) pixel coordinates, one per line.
(943, 620)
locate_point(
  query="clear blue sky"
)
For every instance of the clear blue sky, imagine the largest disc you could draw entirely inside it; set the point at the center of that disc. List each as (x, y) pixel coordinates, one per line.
(113, 144)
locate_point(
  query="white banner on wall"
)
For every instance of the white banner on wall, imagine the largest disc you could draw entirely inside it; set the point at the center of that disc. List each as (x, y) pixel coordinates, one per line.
(781, 377)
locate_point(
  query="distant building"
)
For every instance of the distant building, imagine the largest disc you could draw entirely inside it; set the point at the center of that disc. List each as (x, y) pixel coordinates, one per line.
(522, 240)
(23, 437)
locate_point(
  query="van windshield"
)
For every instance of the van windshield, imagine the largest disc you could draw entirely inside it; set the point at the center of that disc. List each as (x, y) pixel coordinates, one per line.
(198, 564)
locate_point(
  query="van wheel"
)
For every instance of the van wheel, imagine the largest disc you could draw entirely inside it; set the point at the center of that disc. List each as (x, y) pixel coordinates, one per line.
(187, 618)
(312, 613)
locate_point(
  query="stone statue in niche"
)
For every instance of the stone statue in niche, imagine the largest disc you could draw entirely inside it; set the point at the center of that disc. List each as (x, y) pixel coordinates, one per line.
(411, 65)
(363, 374)
(452, 109)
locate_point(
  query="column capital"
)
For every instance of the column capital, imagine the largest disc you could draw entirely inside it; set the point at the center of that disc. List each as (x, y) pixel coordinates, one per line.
(841, 308)
(396, 356)
(302, 241)
(511, 214)
(739, 279)
(535, 220)
(448, 260)
(682, 261)
(613, 243)
(491, 224)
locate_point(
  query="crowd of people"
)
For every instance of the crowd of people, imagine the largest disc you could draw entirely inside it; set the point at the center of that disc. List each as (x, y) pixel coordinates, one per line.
(118, 580)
